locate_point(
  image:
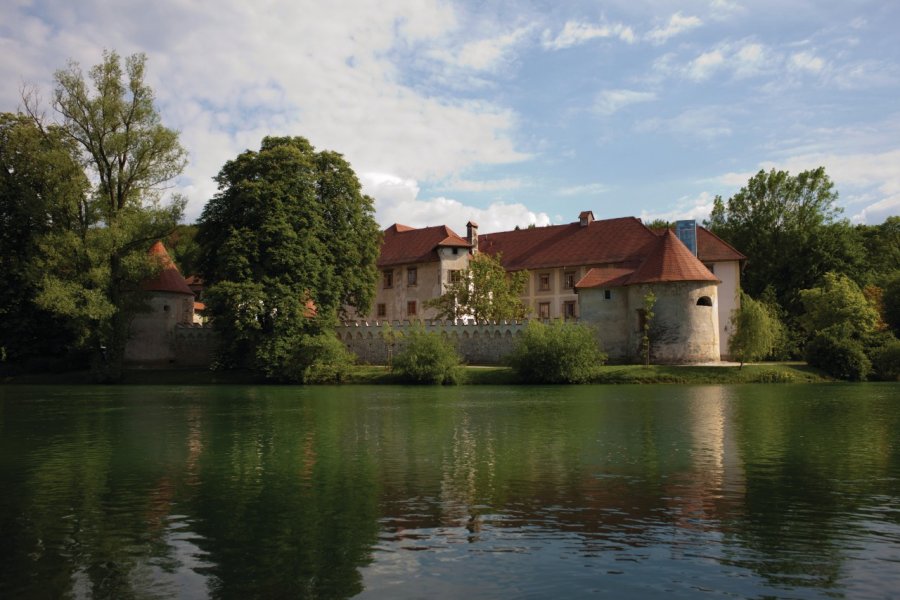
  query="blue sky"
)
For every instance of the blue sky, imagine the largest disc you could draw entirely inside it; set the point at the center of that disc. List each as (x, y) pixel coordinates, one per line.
(509, 113)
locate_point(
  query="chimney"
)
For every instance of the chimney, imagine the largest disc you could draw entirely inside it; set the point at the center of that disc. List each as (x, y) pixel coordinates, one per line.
(586, 217)
(472, 235)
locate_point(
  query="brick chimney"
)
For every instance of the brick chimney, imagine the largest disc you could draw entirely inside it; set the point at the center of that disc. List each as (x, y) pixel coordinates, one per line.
(472, 235)
(586, 217)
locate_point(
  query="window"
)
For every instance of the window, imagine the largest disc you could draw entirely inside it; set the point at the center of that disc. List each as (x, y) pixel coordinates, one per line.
(569, 309)
(704, 301)
(607, 294)
(411, 308)
(544, 282)
(388, 277)
(412, 276)
(569, 279)
(382, 310)
(544, 310)
(456, 251)
(454, 275)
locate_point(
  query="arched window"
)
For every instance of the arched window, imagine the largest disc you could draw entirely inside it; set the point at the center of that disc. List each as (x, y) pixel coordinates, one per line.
(704, 301)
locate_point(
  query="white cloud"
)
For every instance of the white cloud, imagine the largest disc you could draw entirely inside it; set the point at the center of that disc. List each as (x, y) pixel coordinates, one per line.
(396, 201)
(696, 207)
(807, 61)
(706, 64)
(677, 24)
(611, 101)
(575, 33)
(489, 185)
(485, 54)
(589, 189)
(706, 123)
(228, 73)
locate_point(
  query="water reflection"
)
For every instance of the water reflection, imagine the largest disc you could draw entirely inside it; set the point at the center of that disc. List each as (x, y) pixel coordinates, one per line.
(483, 492)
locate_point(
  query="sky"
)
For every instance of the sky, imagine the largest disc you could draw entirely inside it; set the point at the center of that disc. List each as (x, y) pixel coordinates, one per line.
(507, 112)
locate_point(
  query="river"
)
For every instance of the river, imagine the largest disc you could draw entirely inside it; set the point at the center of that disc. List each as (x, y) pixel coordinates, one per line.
(757, 491)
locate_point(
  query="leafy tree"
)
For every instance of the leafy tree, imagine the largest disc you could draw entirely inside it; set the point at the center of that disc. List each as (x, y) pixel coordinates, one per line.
(838, 303)
(427, 357)
(285, 246)
(559, 352)
(41, 185)
(92, 266)
(484, 291)
(882, 247)
(789, 227)
(837, 355)
(320, 358)
(755, 330)
(184, 249)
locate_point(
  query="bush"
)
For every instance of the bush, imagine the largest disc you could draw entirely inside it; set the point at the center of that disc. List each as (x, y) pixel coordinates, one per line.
(427, 357)
(320, 358)
(770, 376)
(886, 361)
(560, 352)
(839, 356)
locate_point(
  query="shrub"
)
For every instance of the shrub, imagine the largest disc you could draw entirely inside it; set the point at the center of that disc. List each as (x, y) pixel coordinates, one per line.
(320, 358)
(771, 376)
(560, 352)
(839, 356)
(886, 361)
(427, 357)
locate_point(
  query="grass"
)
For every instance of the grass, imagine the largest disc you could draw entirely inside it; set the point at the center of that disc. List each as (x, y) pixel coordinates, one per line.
(474, 375)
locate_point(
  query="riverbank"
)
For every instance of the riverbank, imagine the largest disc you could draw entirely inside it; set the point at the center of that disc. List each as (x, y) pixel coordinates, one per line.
(727, 373)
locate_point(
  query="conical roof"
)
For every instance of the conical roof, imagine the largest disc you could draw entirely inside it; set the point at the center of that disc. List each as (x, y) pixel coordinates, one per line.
(669, 261)
(169, 279)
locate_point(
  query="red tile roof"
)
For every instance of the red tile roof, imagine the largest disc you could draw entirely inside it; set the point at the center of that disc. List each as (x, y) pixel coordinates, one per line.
(670, 260)
(711, 247)
(169, 279)
(406, 245)
(609, 242)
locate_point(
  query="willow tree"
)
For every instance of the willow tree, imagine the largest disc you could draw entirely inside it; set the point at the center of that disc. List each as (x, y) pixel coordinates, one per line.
(91, 271)
(286, 246)
(756, 331)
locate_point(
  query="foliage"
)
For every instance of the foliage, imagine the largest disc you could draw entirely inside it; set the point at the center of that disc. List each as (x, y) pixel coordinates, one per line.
(890, 302)
(41, 183)
(184, 249)
(485, 291)
(838, 302)
(789, 228)
(839, 356)
(92, 264)
(320, 358)
(286, 245)
(648, 314)
(882, 248)
(773, 376)
(886, 361)
(427, 357)
(559, 352)
(755, 330)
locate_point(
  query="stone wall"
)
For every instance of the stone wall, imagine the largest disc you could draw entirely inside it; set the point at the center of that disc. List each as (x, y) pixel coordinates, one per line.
(194, 345)
(374, 342)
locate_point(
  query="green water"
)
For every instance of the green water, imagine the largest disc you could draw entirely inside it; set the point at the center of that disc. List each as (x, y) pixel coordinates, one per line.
(787, 491)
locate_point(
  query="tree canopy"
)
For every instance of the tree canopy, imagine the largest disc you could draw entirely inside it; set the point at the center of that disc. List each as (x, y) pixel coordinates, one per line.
(485, 291)
(838, 304)
(789, 227)
(90, 264)
(286, 245)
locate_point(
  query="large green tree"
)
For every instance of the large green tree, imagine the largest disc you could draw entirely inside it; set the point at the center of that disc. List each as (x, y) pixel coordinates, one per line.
(790, 230)
(92, 268)
(838, 305)
(485, 291)
(287, 244)
(42, 186)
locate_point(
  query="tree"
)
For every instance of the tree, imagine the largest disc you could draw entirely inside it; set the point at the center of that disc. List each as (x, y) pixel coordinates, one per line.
(484, 291)
(427, 357)
(838, 304)
(890, 300)
(789, 228)
(561, 352)
(92, 268)
(755, 331)
(286, 245)
(41, 187)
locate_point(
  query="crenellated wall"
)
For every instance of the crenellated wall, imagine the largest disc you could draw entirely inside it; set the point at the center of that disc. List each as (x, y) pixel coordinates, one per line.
(374, 342)
(194, 345)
